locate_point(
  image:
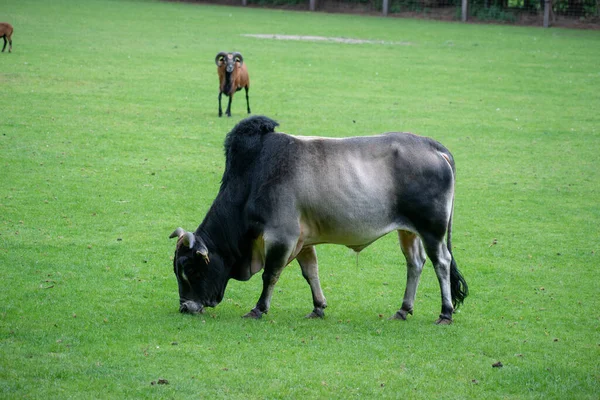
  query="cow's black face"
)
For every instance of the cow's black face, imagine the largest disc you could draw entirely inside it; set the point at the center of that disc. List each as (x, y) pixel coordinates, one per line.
(202, 278)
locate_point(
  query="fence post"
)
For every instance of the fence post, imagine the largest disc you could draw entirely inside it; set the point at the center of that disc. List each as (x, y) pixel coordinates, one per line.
(244, 3)
(547, 5)
(311, 5)
(464, 9)
(385, 7)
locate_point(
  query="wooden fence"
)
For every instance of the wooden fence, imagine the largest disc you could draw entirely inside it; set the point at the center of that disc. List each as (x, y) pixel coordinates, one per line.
(546, 10)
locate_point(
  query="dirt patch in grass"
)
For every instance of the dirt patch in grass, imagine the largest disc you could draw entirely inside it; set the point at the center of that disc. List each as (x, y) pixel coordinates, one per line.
(324, 39)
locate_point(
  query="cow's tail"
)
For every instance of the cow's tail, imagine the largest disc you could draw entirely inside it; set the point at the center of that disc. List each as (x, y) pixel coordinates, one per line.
(458, 286)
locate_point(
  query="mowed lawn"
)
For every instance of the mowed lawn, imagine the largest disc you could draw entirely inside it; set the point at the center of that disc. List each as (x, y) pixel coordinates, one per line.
(109, 140)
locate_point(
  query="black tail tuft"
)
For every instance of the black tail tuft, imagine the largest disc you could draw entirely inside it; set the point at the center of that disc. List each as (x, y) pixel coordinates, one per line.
(458, 286)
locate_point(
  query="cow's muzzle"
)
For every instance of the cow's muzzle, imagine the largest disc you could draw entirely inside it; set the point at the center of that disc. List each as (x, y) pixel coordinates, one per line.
(191, 307)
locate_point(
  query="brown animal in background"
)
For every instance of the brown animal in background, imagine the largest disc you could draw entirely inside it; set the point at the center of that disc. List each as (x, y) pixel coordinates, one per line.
(6, 31)
(233, 76)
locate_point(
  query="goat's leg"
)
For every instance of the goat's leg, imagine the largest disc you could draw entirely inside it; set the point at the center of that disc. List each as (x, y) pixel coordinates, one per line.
(220, 110)
(228, 112)
(247, 100)
(4, 37)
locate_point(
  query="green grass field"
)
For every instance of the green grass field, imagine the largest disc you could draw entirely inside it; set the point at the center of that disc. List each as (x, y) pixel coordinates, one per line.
(109, 139)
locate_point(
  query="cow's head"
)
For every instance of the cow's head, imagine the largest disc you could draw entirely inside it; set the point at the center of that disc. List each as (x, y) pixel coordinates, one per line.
(201, 276)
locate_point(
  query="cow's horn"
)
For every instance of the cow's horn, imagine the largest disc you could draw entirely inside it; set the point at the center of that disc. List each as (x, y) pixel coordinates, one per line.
(179, 232)
(188, 239)
(221, 54)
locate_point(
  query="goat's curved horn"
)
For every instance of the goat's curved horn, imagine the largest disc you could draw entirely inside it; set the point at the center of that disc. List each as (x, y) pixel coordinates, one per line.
(238, 56)
(179, 232)
(217, 58)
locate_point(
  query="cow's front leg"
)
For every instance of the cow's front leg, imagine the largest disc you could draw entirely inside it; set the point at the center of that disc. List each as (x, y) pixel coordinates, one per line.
(307, 258)
(275, 260)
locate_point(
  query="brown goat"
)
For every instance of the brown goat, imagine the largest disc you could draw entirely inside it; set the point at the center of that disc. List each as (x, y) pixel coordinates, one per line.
(233, 76)
(6, 31)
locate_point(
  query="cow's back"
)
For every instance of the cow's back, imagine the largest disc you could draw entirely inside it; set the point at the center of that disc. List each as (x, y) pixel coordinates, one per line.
(352, 191)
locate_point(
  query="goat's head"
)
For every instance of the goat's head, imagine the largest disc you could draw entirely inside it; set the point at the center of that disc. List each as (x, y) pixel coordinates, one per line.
(228, 60)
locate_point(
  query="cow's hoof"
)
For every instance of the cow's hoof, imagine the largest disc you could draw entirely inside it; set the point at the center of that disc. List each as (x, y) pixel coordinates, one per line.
(254, 314)
(316, 313)
(191, 307)
(443, 321)
(401, 314)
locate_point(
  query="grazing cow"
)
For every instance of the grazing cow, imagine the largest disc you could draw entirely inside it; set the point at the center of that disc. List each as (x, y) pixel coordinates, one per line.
(281, 195)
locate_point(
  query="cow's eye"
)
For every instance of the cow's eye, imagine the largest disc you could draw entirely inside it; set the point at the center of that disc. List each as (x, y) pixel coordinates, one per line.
(191, 272)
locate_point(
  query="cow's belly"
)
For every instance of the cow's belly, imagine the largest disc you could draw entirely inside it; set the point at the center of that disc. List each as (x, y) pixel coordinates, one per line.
(348, 229)
(349, 238)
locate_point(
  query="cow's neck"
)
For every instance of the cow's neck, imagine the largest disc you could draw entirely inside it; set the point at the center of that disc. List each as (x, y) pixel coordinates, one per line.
(224, 229)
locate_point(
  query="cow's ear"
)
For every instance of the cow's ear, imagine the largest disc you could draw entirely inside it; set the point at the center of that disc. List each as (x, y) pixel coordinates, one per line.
(203, 251)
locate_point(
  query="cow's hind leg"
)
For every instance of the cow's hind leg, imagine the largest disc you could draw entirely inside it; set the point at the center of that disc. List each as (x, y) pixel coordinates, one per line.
(412, 247)
(276, 259)
(441, 258)
(307, 258)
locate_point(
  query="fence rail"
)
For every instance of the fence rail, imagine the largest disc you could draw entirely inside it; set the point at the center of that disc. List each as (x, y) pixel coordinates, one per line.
(582, 13)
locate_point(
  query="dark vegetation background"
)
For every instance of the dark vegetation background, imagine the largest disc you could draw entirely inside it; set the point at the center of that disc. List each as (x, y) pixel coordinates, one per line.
(565, 13)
